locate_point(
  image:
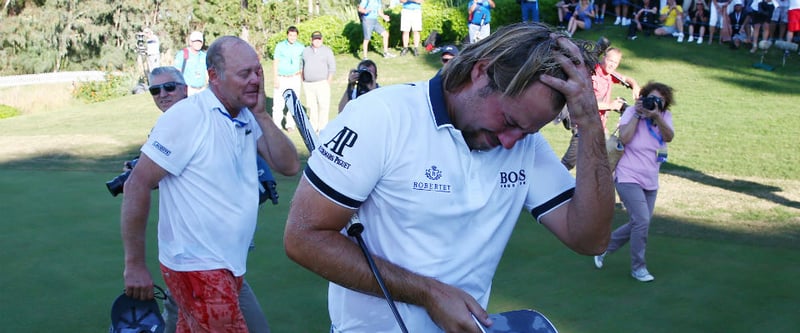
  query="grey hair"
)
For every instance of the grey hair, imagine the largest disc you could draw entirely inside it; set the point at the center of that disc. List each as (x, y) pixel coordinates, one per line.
(169, 70)
(215, 58)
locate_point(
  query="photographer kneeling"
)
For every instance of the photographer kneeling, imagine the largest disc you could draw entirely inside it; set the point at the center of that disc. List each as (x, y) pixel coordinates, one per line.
(360, 81)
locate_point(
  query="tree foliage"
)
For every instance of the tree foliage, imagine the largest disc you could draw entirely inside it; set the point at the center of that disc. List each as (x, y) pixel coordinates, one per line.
(57, 35)
(39, 36)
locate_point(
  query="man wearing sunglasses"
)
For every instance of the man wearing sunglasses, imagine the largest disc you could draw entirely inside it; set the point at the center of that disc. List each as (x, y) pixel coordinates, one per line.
(167, 87)
(202, 156)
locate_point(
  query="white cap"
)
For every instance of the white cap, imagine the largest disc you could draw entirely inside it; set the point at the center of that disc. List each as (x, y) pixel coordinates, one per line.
(196, 35)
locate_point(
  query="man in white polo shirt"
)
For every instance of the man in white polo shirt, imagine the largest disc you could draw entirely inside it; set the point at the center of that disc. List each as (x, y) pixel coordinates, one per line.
(439, 171)
(202, 156)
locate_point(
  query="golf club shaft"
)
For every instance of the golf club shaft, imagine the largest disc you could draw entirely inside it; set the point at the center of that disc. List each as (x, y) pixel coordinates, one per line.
(354, 227)
(354, 230)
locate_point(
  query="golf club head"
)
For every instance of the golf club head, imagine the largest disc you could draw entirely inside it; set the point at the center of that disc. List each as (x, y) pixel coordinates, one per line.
(519, 321)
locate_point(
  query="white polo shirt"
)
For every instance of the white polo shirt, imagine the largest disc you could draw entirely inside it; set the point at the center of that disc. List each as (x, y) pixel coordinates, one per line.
(208, 201)
(427, 202)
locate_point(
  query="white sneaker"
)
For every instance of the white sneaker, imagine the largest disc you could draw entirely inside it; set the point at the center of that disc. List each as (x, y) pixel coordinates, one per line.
(691, 39)
(680, 38)
(626, 22)
(699, 40)
(642, 275)
(618, 20)
(598, 260)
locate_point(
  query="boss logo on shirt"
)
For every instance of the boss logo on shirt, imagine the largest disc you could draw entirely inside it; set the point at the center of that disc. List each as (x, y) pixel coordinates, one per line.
(161, 148)
(511, 179)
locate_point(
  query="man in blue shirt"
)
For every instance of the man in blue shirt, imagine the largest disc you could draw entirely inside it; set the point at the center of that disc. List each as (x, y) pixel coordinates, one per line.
(191, 61)
(480, 14)
(288, 70)
(370, 10)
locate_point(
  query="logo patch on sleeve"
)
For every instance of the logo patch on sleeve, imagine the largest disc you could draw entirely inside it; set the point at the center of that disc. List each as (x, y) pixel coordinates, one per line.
(161, 148)
(345, 139)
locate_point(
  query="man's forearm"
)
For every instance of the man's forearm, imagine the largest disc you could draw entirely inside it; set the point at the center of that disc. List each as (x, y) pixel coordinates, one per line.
(592, 204)
(312, 238)
(133, 221)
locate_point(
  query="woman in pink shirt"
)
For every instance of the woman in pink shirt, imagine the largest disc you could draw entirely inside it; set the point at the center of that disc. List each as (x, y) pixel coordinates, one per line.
(644, 129)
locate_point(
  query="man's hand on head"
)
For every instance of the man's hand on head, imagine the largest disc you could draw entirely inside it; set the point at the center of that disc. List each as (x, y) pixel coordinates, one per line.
(577, 88)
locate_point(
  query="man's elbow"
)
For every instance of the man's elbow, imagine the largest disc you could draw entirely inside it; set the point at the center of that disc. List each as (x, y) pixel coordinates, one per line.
(594, 244)
(293, 244)
(292, 170)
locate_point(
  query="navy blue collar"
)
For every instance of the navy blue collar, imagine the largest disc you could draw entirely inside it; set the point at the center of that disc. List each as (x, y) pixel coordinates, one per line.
(436, 92)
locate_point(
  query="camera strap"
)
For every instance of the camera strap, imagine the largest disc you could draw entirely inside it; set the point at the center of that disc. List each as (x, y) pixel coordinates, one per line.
(185, 58)
(650, 126)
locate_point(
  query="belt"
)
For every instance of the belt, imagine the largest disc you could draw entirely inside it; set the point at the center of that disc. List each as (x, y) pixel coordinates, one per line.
(293, 75)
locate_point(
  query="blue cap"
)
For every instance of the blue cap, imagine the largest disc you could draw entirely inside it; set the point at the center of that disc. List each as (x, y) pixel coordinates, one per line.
(450, 49)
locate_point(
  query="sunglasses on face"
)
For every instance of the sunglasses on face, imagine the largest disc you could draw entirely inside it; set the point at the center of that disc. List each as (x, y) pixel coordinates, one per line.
(445, 60)
(168, 87)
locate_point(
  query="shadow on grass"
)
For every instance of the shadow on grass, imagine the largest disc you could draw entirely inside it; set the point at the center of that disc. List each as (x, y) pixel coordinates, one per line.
(761, 191)
(787, 236)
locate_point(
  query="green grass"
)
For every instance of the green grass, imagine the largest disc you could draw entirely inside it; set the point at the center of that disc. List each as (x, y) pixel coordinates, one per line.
(723, 244)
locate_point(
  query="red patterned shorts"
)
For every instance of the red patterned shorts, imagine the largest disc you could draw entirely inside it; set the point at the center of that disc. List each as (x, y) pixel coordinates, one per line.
(208, 301)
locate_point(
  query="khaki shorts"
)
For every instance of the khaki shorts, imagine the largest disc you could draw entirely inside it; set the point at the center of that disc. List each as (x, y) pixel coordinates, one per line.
(411, 20)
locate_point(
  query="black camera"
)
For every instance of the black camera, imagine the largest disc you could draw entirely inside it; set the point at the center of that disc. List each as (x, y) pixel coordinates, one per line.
(651, 102)
(141, 46)
(365, 79)
(115, 186)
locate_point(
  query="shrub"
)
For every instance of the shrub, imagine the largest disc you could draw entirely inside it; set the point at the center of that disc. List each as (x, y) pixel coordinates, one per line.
(331, 27)
(114, 85)
(343, 34)
(8, 111)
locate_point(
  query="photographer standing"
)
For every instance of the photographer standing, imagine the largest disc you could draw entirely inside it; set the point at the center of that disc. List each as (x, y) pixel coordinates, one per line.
(360, 81)
(644, 129)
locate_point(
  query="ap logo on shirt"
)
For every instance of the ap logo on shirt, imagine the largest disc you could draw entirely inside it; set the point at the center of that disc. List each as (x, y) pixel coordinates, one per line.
(346, 138)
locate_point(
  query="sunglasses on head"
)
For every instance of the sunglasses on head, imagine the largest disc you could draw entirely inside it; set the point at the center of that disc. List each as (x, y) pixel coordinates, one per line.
(168, 87)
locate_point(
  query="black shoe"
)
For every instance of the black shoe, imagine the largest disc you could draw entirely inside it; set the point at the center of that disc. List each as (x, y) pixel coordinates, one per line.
(404, 51)
(414, 52)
